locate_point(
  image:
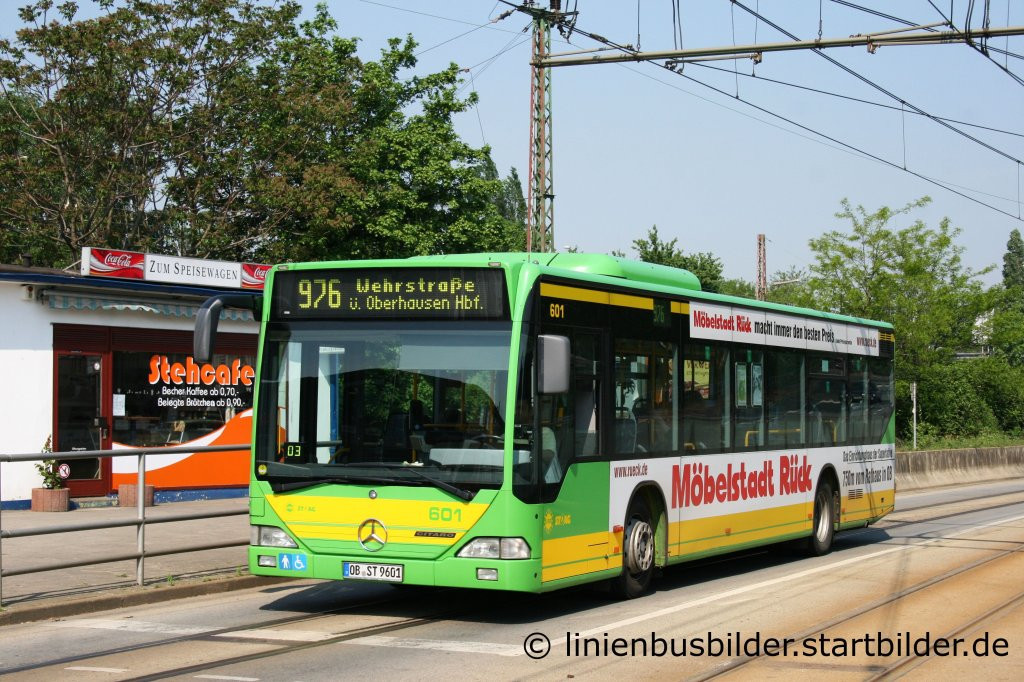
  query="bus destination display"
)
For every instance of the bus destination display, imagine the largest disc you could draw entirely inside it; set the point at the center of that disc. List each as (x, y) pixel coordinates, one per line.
(437, 293)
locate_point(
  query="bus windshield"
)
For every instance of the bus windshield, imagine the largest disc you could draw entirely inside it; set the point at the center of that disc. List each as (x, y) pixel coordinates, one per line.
(398, 403)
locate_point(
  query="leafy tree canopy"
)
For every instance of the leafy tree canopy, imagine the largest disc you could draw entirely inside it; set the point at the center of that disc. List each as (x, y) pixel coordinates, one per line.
(910, 276)
(228, 129)
(1013, 262)
(707, 267)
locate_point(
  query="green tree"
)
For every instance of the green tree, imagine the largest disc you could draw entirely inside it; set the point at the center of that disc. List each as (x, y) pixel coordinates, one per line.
(912, 277)
(737, 287)
(704, 265)
(1013, 262)
(1005, 324)
(95, 114)
(790, 287)
(227, 129)
(513, 204)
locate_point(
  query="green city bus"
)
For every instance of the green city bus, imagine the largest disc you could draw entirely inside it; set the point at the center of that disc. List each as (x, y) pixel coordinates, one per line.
(533, 421)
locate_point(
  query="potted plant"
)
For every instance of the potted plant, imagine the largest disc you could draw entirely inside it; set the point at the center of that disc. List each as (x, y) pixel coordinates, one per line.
(53, 496)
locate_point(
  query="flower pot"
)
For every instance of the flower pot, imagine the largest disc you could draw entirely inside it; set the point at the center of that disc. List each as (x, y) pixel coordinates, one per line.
(126, 495)
(51, 499)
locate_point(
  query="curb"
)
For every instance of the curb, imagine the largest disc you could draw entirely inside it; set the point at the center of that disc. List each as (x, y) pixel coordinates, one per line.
(132, 596)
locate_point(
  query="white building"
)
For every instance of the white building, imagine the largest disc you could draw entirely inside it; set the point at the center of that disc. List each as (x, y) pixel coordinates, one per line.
(99, 362)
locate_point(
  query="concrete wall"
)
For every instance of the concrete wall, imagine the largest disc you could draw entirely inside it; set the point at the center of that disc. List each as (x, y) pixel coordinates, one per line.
(931, 468)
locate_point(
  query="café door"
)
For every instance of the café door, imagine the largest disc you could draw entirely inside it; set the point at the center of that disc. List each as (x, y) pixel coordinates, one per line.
(82, 422)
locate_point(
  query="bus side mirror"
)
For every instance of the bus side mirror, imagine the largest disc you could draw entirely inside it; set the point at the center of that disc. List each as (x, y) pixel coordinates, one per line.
(209, 315)
(553, 368)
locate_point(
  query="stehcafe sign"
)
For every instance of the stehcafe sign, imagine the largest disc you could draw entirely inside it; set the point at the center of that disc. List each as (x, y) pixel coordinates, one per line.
(151, 267)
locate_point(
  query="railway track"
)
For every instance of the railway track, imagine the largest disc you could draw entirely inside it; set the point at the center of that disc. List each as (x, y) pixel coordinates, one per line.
(945, 590)
(405, 609)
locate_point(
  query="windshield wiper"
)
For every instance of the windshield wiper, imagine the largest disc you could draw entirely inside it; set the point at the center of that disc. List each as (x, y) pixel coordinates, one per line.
(437, 483)
(279, 487)
(443, 485)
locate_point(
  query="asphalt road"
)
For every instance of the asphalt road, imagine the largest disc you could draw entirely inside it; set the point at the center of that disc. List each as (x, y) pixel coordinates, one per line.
(935, 591)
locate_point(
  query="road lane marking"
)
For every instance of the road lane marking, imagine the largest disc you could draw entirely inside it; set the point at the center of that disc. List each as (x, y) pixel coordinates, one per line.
(774, 581)
(227, 677)
(129, 625)
(517, 650)
(279, 635)
(455, 646)
(88, 669)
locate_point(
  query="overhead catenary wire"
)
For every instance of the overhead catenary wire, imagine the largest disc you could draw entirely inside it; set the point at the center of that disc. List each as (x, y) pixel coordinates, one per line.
(867, 81)
(815, 137)
(851, 98)
(486, 64)
(890, 17)
(808, 129)
(813, 133)
(984, 52)
(949, 22)
(428, 14)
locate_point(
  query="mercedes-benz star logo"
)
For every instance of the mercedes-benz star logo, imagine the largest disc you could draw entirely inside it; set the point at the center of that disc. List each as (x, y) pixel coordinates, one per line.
(372, 535)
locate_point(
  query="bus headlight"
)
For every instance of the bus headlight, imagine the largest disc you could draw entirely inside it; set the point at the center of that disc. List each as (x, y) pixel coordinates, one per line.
(495, 548)
(269, 536)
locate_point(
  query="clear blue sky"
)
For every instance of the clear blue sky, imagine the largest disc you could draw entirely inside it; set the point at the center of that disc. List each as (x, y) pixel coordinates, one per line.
(635, 145)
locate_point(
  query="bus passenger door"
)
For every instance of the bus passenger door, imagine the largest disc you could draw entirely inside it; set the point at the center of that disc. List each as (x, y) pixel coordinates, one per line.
(576, 537)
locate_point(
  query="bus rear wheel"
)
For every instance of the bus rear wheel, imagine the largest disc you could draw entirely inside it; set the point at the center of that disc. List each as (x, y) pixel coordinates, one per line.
(823, 530)
(637, 552)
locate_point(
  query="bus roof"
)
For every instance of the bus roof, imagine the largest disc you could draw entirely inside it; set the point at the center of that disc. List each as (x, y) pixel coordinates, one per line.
(604, 269)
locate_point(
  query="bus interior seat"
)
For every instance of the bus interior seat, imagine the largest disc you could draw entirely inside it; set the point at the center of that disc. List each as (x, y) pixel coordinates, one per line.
(396, 435)
(417, 415)
(625, 432)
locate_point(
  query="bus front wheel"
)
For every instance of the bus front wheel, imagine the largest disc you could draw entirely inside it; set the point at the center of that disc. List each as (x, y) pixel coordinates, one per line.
(637, 552)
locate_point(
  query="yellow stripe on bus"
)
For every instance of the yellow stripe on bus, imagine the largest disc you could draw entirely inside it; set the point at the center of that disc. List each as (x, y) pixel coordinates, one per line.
(573, 294)
(607, 298)
(579, 554)
(872, 505)
(591, 552)
(308, 517)
(592, 296)
(701, 535)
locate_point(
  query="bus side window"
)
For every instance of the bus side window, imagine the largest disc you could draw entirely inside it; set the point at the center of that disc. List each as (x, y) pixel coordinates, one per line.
(784, 387)
(826, 400)
(707, 402)
(748, 392)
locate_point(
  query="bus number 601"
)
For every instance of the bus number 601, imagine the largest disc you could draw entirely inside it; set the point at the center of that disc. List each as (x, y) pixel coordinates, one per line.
(445, 514)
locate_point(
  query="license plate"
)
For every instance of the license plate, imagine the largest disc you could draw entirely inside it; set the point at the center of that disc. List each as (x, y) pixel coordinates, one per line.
(392, 573)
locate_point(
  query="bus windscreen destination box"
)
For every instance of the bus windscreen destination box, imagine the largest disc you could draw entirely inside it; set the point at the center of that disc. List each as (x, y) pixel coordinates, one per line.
(424, 293)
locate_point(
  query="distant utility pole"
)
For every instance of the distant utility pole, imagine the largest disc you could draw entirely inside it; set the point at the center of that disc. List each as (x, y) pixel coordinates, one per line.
(761, 290)
(540, 219)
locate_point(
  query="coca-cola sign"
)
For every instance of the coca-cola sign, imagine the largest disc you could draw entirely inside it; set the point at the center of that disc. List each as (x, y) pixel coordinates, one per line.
(172, 269)
(254, 275)
(109, 263)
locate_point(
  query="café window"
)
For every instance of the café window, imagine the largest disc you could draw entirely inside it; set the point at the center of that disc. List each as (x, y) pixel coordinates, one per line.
(170, 399)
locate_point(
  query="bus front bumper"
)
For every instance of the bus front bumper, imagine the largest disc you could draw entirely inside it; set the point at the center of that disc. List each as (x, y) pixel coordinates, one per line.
(496, 574)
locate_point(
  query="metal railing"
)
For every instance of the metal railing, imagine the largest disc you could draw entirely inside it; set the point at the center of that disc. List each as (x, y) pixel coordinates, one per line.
(140, 553)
